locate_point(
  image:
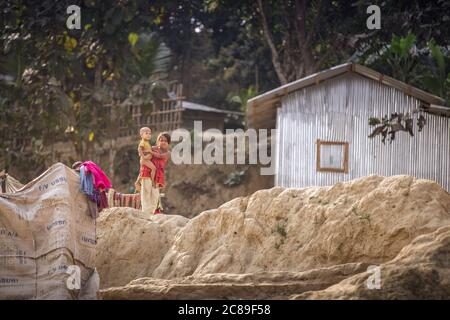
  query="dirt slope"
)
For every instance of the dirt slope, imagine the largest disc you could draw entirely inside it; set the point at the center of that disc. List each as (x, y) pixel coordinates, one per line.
(192, 189)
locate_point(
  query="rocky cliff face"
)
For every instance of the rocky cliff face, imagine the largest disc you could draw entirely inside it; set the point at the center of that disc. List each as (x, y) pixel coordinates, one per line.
(131, 246)
(286, 243)
(420, 271)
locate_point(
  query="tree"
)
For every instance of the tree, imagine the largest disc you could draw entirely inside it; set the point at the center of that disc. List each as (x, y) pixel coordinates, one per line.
(437, 79)
(426, 67)
(400, 58)
(63, 79)
(423, 67)
(303, 37)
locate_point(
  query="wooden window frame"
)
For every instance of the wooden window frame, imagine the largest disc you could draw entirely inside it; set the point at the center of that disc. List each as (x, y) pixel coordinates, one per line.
(333, 143)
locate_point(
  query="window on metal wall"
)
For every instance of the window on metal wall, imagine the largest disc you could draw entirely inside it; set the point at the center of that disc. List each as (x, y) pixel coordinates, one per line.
(332, 156)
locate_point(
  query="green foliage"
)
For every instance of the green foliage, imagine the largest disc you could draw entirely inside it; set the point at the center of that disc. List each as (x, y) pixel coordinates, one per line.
(235, 178)
(281, 230)
(150, 56)
(400, 58)
(427, 68)
(401, 46)
(437, 79)
(242, 97)
(374, 121)
(133, 38)
(360, 215)
(364, 216)
(438, 56)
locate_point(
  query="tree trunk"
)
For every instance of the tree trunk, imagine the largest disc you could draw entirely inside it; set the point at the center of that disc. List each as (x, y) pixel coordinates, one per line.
(269, 38)
(303, 41)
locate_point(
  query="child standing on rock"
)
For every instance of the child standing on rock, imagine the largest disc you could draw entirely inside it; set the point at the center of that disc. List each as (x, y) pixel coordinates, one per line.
(149, 191)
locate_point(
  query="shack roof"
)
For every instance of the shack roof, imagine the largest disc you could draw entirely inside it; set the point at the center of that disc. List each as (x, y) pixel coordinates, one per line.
(262, 109)
(201, 107)
(188, 105)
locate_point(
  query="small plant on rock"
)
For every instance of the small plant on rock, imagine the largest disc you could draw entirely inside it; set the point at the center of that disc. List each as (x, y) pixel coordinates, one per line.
(364, 216)
(235, 178)
(281, 229)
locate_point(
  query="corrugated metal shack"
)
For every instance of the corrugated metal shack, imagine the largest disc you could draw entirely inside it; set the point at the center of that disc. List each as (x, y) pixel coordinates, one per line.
(322, 128)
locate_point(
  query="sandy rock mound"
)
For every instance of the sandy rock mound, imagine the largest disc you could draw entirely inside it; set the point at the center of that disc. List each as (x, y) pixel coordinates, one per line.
(275, 241)
(365, 220)
(131, 245)
(420, 271)
(264, 285)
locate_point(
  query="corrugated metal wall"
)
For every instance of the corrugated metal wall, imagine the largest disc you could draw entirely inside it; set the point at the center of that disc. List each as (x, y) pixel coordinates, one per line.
(338, 110)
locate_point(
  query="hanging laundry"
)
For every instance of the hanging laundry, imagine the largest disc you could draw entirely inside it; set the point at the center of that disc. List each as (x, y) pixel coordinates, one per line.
(100, 178)
(117, 199)
(94, 183)
(86, 182)
(102, 200)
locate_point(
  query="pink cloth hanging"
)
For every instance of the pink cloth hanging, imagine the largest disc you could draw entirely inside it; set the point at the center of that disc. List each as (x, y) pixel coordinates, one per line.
(100, 178)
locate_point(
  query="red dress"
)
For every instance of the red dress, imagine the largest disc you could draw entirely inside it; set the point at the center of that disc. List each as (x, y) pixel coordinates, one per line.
(159, 163)
(145, 172)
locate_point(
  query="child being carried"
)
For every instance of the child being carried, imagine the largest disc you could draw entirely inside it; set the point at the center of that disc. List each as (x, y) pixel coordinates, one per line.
(145, 155)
